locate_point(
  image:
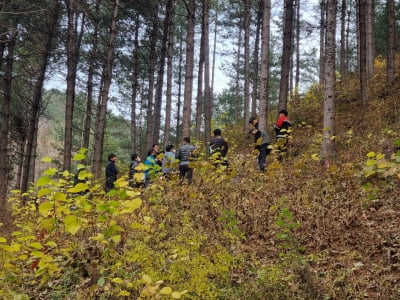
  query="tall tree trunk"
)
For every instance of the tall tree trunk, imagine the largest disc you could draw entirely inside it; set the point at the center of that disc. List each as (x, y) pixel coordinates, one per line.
(391, 40)
(200, 77)
(370, 37)
(207, 88)
(264, 76)
(72, 65)
(342, 62)
(160, 77)
(237, 87)
(286, 55)
(322, 26)
(214, 53)
(254, 94)
(37, 99)
(90, 85)
(328, 151)
(168, 100)
(362, 6)
(187, 101)
(246, 91)
(103, 99)
(179, 104)
(135, 86)
(297, 76)
(152, 65)
(5, 124)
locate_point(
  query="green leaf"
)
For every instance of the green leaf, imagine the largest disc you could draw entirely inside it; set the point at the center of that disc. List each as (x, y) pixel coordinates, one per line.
(79, 156)
(42, 181)
(50, 172)
(36, 245)
(46, 159)
(72, 224)
(3, 240)
(116, 238)
(60, 196)
(101, 281)
(43, 192)
(45, 207)
(166, 290)
(117, 280)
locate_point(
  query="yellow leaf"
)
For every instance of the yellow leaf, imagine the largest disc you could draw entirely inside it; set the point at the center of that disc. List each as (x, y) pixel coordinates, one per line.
(36, 245)
(42, 181)
(136, 225)
(51, 244)
(176, 295)
(371, 162)
(166, 290)
(3, 240)
(380, 156)
(79, 156)
(117, 280)
(116, 238)
(45, 207)
(46, 159)
(124, 293)
(371, 154)
(60, 196)
(146, 278)
(72, 224)
(43, 192)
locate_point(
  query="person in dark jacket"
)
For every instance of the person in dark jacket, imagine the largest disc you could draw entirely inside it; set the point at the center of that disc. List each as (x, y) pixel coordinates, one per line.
(282, 130)
(111, 172)
(254, 122)
(183, 155)
(262, 142)
(218, 148)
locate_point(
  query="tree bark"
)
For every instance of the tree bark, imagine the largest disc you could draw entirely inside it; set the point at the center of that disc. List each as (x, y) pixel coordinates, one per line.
(286, 55)
(72, 65)
(37, 99)
(362, 6)
(370, 37)
(322, 26)
(90, 84)
(328, 151)
(5, 123)
(200, 77)
(342, 62)
(264, 76)
(168, 100)
(391, 41)
(160, 77)
(207, 87)
(103, 99)
(246, 88)
(187, 94)
(255, 94)
(135, 86)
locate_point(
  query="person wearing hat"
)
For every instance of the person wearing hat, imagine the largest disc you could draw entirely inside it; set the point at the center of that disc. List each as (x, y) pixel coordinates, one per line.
(282, 130)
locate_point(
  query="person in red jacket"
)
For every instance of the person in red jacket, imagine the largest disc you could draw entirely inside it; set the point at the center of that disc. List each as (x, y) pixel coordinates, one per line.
(282, 131)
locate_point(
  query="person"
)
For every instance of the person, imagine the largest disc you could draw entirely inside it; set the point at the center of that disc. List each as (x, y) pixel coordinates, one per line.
(282, 130)
(218, 148)
(111, 172)
(133, 178)
(168, 159)
(151, 164)
(254, 122)
(262, 142)
(158, 155)
(184, 153)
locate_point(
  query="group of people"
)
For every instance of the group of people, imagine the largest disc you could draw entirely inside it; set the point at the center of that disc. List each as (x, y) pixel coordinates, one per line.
(163, 161)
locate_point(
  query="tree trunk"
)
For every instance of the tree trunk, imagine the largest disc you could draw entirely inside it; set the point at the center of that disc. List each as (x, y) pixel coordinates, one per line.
(72, 65)
(297, 76)
(328, 151)
(103, 99)
(237, 87)
(179, 104)
(322, 25)
(200, 77)
(342, 63)
(214, 54)
(254, 94)
(187, 97)
(135, 86)
(391, 41)
(264, 76)
(286, 55)
(246, 91)
(90, 85)
(6, 105)
(207, 87)
(37, 99)
(160, 77)
(370, 37)
(362, 5)
(168, 100)
(152, 65)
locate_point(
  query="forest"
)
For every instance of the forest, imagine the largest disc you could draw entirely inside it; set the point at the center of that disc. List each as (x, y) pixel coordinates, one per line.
(80, 79)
